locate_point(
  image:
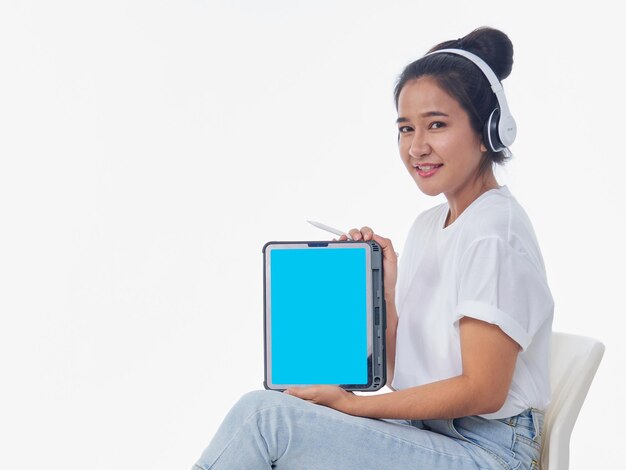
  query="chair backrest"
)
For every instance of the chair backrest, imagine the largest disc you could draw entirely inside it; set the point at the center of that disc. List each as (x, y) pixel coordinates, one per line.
(573, 364)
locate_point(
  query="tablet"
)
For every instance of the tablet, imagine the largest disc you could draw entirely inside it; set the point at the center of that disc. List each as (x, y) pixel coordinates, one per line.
(324, 315)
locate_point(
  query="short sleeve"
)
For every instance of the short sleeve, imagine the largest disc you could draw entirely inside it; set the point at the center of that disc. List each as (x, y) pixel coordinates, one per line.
(500, 285)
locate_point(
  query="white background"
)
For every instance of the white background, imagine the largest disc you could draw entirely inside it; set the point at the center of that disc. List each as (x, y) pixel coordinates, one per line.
(148, 150)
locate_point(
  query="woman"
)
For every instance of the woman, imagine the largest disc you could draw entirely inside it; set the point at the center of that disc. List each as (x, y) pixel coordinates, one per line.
(470, 324)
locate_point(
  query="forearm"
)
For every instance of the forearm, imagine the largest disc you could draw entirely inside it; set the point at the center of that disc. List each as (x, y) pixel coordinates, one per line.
(488, 359)
(488, 356)
(450, 398)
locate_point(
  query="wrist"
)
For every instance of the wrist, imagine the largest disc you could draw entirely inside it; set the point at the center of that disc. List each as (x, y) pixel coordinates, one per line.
(352, 404)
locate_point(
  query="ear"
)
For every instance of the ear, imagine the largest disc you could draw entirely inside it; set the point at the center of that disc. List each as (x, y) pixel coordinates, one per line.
(483, 149)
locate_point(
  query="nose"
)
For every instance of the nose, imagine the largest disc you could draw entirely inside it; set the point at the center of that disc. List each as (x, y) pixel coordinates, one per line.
(419, 145)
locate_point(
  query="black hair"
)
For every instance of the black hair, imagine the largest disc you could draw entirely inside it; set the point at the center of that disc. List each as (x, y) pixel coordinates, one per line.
(463, 80)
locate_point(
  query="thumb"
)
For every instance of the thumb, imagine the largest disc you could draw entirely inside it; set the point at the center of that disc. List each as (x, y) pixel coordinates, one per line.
(305, 393)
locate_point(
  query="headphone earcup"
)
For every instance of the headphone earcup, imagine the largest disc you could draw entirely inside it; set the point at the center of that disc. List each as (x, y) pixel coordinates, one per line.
(491, 136)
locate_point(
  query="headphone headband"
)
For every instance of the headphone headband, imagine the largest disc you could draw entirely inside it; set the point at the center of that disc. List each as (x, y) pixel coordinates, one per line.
(506, 127)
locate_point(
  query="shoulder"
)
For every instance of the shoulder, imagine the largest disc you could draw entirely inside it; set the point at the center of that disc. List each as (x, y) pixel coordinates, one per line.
(499, 216)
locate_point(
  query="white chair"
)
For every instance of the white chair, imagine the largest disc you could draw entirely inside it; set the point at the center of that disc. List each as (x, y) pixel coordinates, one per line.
(573, 365)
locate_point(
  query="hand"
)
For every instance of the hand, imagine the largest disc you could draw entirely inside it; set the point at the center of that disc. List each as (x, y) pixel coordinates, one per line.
(326, 395)
(390, 257)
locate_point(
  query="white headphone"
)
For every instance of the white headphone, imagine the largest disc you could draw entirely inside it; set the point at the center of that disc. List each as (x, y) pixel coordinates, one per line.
(500, 129)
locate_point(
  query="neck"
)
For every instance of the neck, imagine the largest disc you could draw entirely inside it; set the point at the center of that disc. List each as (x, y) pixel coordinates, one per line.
(460, 201)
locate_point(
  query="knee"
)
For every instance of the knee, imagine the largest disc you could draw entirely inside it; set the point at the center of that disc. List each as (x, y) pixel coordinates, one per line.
(261, 399)
(264, 407)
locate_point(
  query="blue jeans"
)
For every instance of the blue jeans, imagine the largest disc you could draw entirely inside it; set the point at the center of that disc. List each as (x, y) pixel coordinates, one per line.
(268, 429)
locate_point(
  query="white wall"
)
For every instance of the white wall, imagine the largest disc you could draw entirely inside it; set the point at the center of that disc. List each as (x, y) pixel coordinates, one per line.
(148, 149)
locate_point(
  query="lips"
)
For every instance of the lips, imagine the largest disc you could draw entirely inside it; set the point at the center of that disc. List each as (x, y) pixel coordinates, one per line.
(428, 169)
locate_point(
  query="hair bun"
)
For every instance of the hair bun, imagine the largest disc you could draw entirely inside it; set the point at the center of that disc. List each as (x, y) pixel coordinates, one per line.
(491, 45)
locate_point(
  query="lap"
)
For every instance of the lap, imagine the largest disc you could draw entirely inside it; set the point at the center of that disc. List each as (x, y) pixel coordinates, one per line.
(338, 440)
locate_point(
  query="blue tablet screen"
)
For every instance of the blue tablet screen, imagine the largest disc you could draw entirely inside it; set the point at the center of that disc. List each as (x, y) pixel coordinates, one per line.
(319, 316)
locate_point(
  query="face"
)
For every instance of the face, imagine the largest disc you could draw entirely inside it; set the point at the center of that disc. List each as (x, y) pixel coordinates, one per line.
(438, 145)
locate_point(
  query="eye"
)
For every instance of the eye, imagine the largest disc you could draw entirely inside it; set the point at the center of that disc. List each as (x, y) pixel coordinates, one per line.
(436, 125)
(404, 129)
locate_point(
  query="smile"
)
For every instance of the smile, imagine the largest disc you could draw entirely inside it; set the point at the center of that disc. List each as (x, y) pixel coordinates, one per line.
(426, 170)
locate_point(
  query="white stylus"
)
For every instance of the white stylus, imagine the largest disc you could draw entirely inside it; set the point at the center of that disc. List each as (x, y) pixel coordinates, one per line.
(334, 230)
(329, 229)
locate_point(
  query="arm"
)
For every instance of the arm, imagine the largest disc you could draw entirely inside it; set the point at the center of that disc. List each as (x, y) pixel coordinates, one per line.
(488, 356)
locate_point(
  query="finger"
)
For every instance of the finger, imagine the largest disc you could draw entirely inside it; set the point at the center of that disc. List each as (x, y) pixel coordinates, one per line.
(355, 234)
(387, 246)
(343, 238)
(367, 232)
(382, 241)
(306, 393)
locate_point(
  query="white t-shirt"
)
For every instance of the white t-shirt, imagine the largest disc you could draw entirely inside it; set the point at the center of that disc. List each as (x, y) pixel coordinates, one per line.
(486, 265)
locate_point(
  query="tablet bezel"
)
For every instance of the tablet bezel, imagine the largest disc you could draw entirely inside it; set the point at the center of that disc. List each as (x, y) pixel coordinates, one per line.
(376, 372)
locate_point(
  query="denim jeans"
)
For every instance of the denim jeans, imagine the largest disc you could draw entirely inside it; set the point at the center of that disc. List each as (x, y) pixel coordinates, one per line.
(268, 429)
